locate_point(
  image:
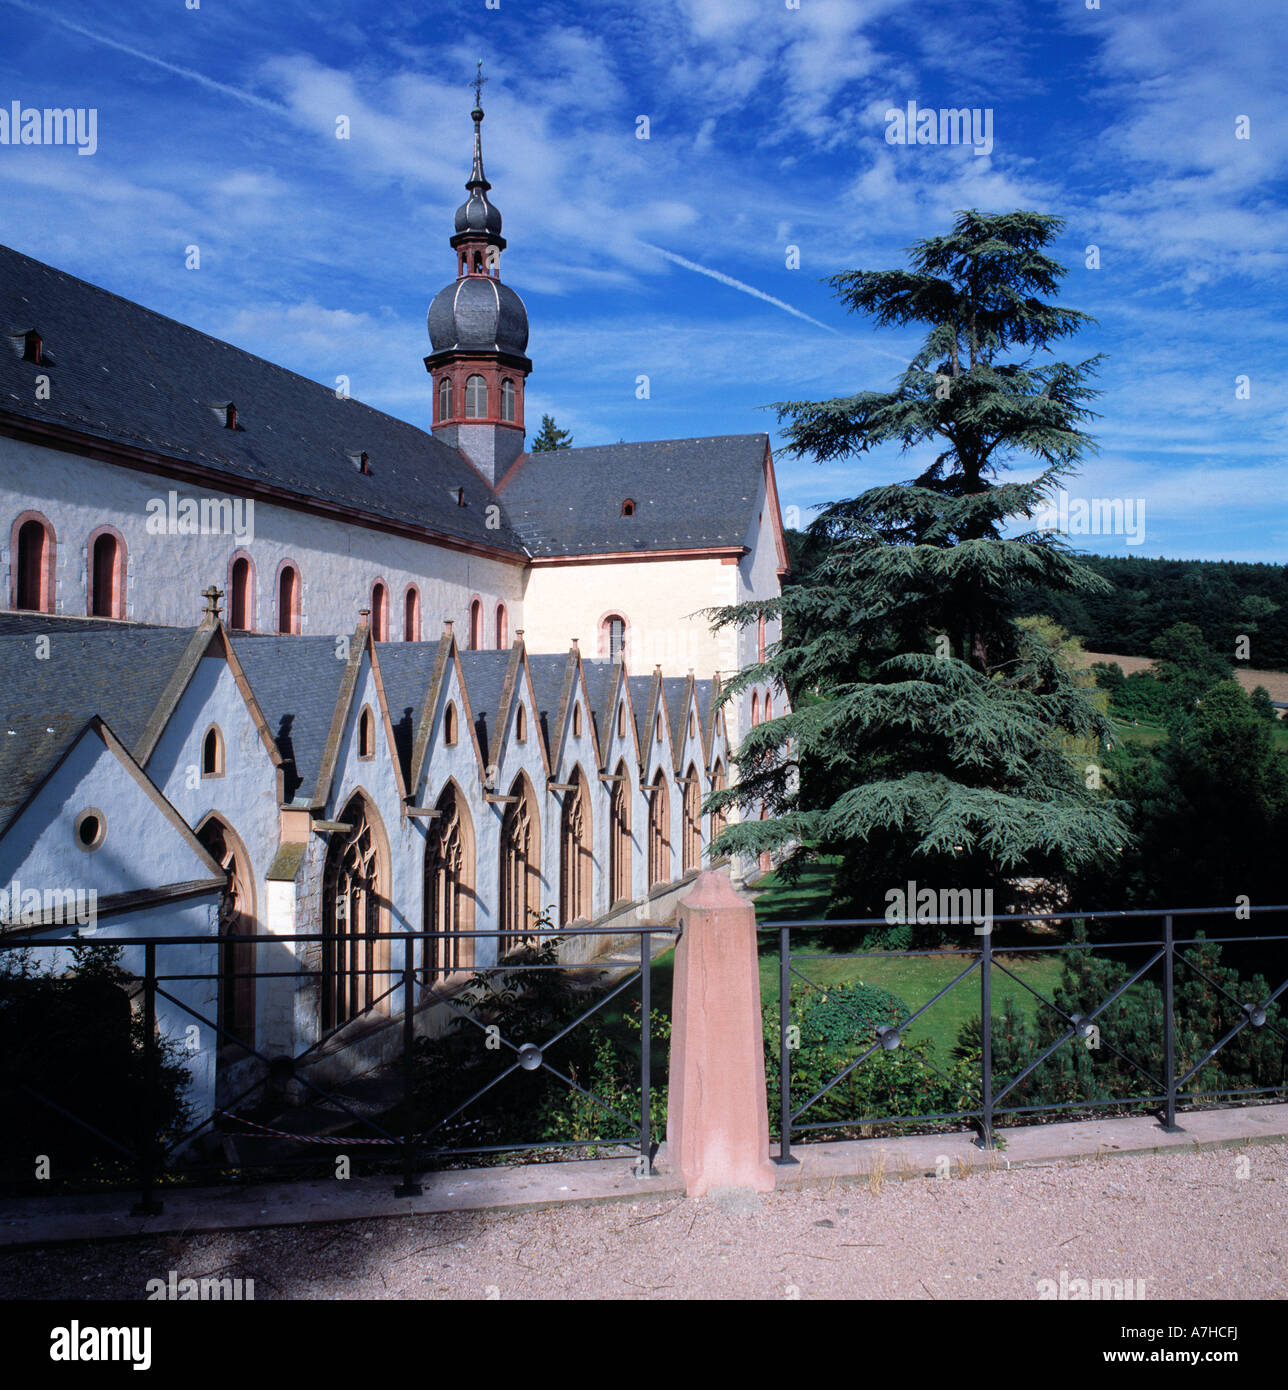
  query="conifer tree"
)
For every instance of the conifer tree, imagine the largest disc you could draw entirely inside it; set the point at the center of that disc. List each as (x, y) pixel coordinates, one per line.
(926, 741)
(550, 437)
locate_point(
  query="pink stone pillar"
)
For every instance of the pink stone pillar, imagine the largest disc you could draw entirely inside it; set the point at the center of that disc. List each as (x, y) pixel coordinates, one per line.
(717, 1128)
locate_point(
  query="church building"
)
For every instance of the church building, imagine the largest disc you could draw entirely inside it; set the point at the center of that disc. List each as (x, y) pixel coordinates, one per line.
(273, 662)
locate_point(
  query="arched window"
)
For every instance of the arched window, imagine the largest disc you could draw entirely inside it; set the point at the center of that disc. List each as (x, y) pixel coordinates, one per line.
(355, 896)
(520, 867)
(691, 822)
(769, 707)
(717, 785)
(760, 638)
(475, 398)
(619, 841)
(502, 628)
(621, 720)
(380, 611)
(693, 724)
(755, 708)
(288, 599)
(476, 626)
(366, 733)
(576, 864)
(612, 631)
(657, 728)
(236, 1006)
(521, 725)
(628, 507)
(411, 614)
(450, 726)
(33, 564)
(576, 721)
(106, 577)
(449, 889)
(659, 832)
(445, 398)
(212, 753)
(507, 399)
(241, 589)
(766, 858)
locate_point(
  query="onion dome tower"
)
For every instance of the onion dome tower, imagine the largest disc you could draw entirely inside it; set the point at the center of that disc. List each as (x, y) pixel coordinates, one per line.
(478, 335)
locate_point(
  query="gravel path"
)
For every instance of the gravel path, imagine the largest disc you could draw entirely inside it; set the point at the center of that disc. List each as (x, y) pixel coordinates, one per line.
(1190, 1225)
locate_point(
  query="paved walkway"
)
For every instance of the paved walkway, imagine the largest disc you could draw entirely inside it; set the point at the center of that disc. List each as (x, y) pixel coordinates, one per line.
(1175, 1224)
(42, 1221)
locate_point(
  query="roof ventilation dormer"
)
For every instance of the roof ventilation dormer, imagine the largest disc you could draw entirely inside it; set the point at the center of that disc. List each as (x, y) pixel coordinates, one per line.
(360, 459)
(226, 414)
(30, 346)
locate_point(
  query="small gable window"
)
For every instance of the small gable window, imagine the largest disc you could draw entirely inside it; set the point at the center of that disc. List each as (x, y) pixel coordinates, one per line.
(90, 828)
(445, 398)
(366, 733)
(475, 398)
(692, 724)
(507, 399)
(657, 728)
(576, 721)
(628, 507)
(212, 753)
(621, 721)
(521, 725)
(449, 726)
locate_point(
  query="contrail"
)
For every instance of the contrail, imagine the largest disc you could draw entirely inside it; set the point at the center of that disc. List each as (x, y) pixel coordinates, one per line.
(739, 285)
(249, 97)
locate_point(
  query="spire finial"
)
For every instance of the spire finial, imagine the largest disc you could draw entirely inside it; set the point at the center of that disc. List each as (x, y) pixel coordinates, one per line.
(477, 84)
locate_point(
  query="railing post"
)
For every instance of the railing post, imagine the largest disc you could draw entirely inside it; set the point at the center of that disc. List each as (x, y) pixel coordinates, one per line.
(644, 1169)
(784, 1052)
(1169, 1026)
(149, 1204)
(986, 1037)
(409, 1187)
(717, 1119)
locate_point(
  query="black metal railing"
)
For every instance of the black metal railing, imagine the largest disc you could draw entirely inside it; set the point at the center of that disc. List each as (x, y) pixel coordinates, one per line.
(1164, 950)
(413, 987)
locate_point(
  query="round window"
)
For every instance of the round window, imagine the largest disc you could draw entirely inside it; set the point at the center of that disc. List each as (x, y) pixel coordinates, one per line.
(91, 827)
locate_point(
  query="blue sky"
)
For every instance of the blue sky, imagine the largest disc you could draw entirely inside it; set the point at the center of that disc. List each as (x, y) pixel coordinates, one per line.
(767, 130)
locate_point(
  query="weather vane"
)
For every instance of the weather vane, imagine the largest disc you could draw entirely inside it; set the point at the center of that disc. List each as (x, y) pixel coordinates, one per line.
(477, 84)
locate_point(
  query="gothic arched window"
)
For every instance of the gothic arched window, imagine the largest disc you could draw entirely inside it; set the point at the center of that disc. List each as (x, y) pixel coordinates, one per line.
(507, 399)
(450, 726)
(755, 708)
(691, 822)
(619, 838)
(520, 868)
(236, 1006)
(449, 889)
(445, 398)
(475, 398)
(659, 832)
(355, 892)
(411, 614)
(502, 628)
(476, 626)
(575, 862)
(212, 753)
(366, 733)
(717, 785)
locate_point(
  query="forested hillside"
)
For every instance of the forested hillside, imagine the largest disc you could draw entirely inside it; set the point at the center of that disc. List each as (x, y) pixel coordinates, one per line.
(1223, 598)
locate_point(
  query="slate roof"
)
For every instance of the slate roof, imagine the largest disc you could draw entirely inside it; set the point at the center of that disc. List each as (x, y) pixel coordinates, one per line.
(406, 670)
(48, 702)
(674, 691)
(14, 624)
(484, 674)
(296, 681)
(688, 493)
(123, 373)
(599, 675)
